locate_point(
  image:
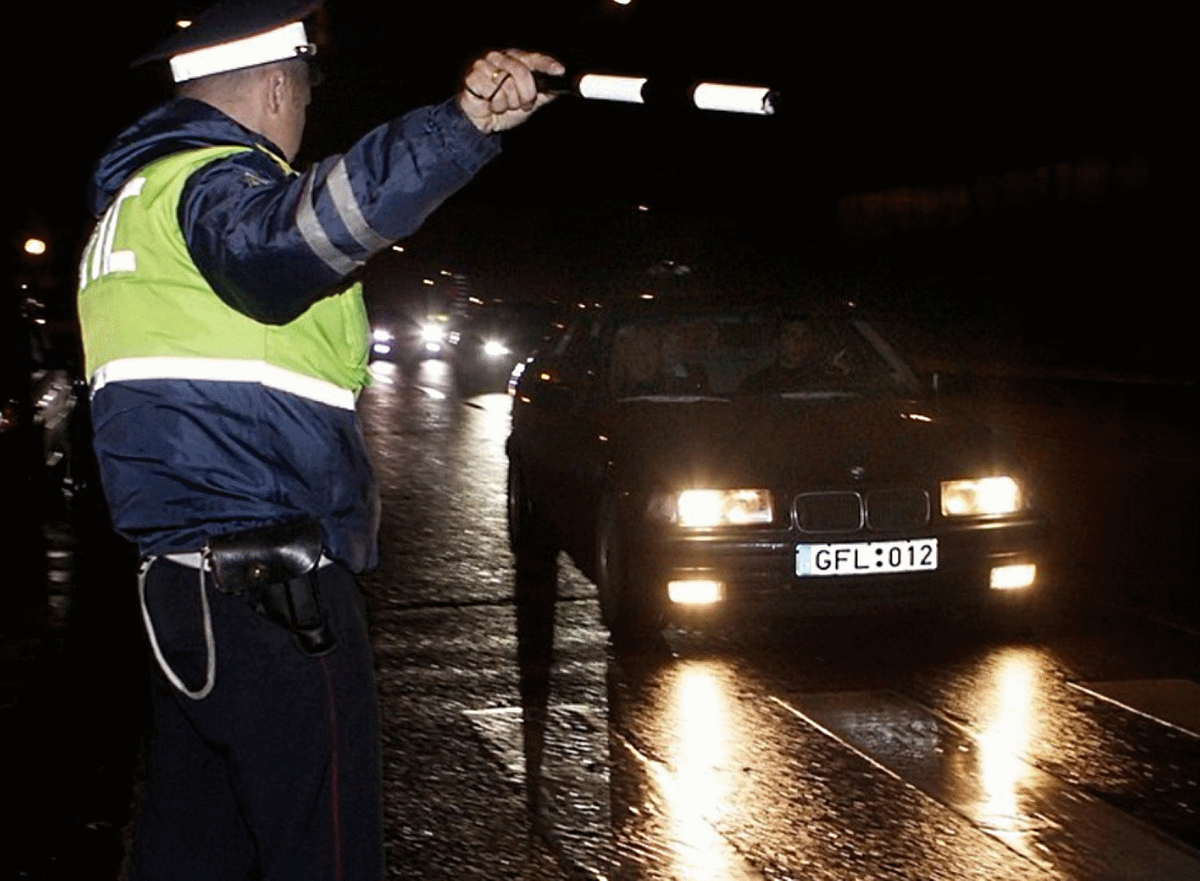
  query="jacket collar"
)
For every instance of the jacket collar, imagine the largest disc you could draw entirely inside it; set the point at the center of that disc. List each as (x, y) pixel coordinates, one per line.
(180, 124)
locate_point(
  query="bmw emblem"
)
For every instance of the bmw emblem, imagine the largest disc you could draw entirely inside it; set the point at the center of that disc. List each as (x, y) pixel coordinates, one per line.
(858, 472)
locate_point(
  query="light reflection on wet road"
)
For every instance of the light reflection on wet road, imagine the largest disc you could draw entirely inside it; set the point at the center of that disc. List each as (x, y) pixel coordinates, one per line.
(518, 745)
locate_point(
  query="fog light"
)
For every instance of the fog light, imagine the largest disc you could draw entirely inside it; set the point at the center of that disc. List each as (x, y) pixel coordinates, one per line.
(695, 591)
(1013, 577)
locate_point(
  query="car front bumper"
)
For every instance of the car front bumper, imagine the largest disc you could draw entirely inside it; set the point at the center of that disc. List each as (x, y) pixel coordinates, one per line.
(760, 569)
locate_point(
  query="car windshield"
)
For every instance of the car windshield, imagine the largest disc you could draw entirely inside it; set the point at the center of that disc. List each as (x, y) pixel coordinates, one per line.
(725, 355)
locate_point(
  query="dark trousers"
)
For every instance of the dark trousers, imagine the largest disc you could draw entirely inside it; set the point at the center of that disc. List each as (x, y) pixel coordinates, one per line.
(275, 774)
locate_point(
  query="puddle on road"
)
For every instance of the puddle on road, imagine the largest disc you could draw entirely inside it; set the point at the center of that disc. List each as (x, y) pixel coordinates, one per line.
(1172, 702)
(982, 777)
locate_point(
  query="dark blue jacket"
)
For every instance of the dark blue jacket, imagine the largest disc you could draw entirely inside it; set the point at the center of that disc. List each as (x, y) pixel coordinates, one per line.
(183, 459)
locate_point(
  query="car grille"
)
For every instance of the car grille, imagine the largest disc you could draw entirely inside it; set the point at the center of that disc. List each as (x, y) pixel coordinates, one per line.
(829, 512)
(897, 508)
(880, 510)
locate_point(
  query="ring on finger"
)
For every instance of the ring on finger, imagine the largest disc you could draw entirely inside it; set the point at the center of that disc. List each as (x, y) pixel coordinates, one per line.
(499, 77)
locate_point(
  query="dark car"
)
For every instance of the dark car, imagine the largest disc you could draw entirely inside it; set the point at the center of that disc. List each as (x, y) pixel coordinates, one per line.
(698, 456)
(45, 457)
(398, 336)
(491, 337)
(38, 397)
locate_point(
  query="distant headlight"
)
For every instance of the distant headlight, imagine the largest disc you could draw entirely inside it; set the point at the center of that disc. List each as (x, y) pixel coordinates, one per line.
(381, 341)
(698, 508)
(987, 495)
(495, 349)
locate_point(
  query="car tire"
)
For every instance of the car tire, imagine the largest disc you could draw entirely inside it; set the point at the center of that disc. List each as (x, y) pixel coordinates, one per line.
(629, 614)
(529, 534)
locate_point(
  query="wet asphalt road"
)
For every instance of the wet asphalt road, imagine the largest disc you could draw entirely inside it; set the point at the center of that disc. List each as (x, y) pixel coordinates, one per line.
(518, 744)
(882, 748)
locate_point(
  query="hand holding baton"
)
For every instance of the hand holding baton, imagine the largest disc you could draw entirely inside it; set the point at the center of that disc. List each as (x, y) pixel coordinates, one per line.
(756, 100)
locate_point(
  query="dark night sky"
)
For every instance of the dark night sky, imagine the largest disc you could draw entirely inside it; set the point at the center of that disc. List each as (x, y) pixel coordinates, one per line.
(872, 99)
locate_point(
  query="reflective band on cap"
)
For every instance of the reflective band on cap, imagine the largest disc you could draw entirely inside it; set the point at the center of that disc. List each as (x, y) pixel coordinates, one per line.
(224, 370)
(289, 41)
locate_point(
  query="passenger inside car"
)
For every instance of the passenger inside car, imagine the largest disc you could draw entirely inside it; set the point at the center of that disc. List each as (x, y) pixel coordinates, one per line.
(686, 347)
(666, 359)
(635, 360)
(802, 360)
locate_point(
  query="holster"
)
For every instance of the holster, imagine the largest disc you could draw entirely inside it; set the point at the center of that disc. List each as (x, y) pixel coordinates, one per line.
(253, 558)
(275, 569)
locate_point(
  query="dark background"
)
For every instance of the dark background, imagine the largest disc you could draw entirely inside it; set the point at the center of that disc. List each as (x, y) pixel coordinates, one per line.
(985, 172)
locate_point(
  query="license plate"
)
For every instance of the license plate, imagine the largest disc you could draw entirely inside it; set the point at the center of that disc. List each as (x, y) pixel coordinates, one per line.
(867, 557)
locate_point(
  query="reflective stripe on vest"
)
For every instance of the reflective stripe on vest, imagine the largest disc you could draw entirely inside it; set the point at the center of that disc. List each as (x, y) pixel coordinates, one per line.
(223, 370)
(144, 306)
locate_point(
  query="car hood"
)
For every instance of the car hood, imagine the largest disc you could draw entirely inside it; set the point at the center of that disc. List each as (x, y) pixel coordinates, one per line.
(821, 442)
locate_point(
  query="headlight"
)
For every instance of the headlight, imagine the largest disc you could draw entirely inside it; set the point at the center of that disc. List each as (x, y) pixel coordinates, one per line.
(495, 349)
(699, 508)
(987, 495)
(432, 333)
(381, 341)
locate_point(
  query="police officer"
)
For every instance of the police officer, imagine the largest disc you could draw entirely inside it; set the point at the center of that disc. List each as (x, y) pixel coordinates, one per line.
(225, 343)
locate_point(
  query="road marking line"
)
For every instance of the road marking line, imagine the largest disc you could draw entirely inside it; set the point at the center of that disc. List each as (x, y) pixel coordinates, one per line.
(1171, 702)
(1053, 825)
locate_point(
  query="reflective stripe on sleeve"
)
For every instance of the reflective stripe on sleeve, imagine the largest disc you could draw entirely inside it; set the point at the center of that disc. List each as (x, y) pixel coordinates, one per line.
(224, 370)
(350, 211)
(315, 236)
